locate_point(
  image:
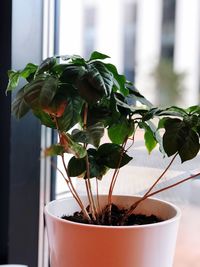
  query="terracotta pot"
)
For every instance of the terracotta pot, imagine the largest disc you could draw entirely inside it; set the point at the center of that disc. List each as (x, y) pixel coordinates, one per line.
(79, 245)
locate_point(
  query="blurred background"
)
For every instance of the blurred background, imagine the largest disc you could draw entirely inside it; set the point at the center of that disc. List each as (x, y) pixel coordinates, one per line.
(156, 44)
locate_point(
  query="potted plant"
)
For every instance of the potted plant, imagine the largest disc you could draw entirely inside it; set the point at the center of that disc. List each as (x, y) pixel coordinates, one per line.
(83, 99)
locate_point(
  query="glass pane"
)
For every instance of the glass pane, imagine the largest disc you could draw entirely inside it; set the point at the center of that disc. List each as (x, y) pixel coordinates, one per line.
(147, 42)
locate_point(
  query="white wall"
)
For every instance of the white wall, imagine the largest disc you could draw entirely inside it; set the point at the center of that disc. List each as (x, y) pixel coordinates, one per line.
(187, 47)
(148, 44)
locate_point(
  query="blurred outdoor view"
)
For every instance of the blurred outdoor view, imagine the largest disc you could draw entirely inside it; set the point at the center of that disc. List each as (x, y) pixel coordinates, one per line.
(156, 44)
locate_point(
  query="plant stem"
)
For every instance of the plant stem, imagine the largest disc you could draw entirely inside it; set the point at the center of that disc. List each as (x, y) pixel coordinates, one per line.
(161, 176)
(115, 174)
(73, 193)
(98, 201)
(73, 190)
(88, 183)
(114, 179)
(69, 181)
(131, 209)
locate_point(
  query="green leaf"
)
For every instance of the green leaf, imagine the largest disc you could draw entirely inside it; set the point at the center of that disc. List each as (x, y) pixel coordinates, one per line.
(87, 91)
(46, 65)
(32, 93)
(54, 150)
(97, 55)
(72, 147)
(193, 109)
(71, 115)
(48, 91)
(13, 80)
(112, 154)
(72, 74)
(44, 118)
(180, 138)
(120, 130)
(149, 137)
(100, 78)
(161, 123)
(119, 80)
(19, 105)
(190, 147)
(173, 138)
(29, 71)
(92, 135)
(76, 167)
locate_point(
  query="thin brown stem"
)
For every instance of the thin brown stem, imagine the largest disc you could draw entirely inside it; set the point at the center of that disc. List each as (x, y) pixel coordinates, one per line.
(74, 191)
(161, 176)
(173, 185)
(115, 174)
(88, 183)
(69, 181)
(159, 191)
(98, 200)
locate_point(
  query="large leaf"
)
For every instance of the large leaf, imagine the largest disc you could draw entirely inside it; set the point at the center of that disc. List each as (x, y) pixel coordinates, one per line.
(72, 147)
(149, 136)
(120, 130)
(44, 118)
(193, 109)
(48, 91)
(86, 90)
(19, 105)
(14, 76)
(100, 78)
(29, 71)
(119, 80)
(71, 115)
(92, 135)
(13, 80)
(96, 55)
(76, 167)
(190, 147)
(46, 65)
(112, 155)
(72, 73)
(178, 137)
(173, 138)
(32, 93)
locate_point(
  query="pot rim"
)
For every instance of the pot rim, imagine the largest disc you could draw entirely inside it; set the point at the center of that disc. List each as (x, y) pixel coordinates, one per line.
(176, 217)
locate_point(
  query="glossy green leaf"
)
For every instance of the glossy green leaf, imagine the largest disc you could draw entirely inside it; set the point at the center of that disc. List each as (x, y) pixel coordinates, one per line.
(13, 80)
(19, 105)
(120, 130)
(76, 167)
(193, 109)
(119, 80)
(92, 135)
(173, 138)
(48, 91)
(97, 55)
(113, 156)
(100, 78)
(29, 71)
(71, 115)
(47, 64)
(32, 93)
(180, 138)
(44, 118)
(190, 147)
(149, 137)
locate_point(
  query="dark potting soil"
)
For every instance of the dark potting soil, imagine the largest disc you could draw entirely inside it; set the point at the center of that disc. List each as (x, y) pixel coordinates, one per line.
(117, 217)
